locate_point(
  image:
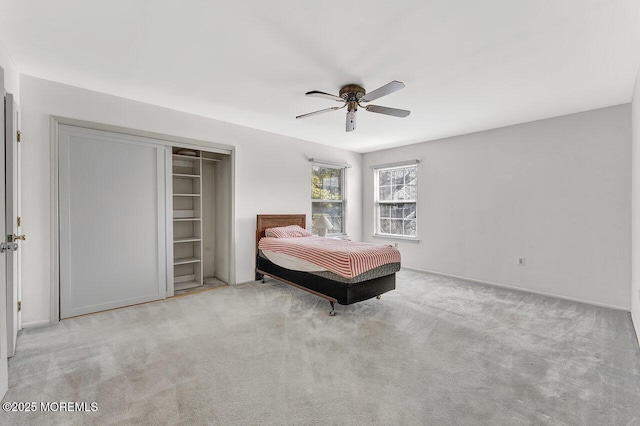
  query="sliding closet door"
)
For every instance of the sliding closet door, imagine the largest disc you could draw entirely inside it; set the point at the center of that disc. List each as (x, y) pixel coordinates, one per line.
(112, 220)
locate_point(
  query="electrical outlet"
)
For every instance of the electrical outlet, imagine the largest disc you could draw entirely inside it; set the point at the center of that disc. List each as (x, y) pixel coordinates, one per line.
(521, 261)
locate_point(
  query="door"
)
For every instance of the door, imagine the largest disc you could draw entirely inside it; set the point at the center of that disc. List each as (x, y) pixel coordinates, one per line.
(11, 221)
(4, 382)
(112, 220)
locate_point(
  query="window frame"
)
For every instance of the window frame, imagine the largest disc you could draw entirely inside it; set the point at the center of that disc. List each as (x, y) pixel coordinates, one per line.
(377, 202)
(343, 198)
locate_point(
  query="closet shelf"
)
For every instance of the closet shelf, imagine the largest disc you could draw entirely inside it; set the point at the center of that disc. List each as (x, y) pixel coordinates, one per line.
(185, 175)
(187, 240)
(186, 195)
(186, 219)
(210, 159)
(185, 260)
(186, 157)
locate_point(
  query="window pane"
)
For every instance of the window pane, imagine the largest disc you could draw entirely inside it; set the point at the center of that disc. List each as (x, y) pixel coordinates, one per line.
(384, 178)
(410, 192)
(397, 211)
(337, 225)
(333, 211)
(398, 176)
(410, 211)
(385, 226)
(326, 183)
(385, 193)
(385, 210)
(410, 228)
(410, 176)
(399, 192)
(396, 227)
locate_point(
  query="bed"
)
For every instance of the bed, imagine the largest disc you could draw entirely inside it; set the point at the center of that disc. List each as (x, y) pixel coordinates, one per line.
(345, 289)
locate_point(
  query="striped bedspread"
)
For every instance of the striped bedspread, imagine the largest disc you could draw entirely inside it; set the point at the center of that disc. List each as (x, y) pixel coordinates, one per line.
(345, 258)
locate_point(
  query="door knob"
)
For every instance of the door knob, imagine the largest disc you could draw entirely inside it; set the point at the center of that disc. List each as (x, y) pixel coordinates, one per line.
(19, 237)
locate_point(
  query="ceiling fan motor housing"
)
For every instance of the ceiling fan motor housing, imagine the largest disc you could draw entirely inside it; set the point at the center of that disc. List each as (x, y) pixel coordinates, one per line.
(352, 93)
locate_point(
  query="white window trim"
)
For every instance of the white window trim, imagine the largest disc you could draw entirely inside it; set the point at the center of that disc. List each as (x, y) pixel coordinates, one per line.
(395, 165)
(376, 201)
(343, 193)
(329, 163)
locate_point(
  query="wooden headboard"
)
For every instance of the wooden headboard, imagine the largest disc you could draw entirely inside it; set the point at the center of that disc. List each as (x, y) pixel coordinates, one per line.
(266, 221)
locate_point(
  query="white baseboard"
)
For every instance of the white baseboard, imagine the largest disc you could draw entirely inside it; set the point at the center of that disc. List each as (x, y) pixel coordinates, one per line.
(525, 290)
(35, 324)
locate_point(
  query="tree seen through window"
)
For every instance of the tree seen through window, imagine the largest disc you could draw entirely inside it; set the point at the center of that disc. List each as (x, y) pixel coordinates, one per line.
(396, 194)
(326, 196)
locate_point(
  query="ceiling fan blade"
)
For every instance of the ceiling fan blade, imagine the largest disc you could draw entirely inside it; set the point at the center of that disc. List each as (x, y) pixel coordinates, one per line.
(388, 111)
(351, 120)
(322, 111)
(385, 90)
(319, 94)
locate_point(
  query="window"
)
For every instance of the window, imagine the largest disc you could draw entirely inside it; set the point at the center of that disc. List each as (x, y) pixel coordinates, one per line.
(396, 200)
(327, 196)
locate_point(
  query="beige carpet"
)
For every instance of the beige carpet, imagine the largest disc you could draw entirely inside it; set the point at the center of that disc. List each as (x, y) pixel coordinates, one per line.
(436, 351)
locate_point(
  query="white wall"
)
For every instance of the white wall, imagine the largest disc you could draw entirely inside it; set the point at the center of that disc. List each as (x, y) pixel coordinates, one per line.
(635, 252)
(556, 191)
(272, 173)
(11, 75)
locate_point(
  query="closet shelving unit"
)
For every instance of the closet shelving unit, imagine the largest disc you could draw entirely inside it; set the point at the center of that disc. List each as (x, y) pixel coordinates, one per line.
(188, 228)
(187, 221)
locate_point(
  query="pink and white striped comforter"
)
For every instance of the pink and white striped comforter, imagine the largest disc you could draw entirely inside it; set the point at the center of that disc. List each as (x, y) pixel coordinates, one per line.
(345, 258)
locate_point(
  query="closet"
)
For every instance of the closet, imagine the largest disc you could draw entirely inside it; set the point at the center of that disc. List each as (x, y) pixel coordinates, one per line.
(173, 202)
(196, 222)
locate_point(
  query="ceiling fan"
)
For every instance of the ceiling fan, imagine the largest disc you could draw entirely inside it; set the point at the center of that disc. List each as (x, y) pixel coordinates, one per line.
(352, 97)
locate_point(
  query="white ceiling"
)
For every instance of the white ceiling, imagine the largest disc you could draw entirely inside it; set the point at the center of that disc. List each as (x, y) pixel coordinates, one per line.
(468, 65)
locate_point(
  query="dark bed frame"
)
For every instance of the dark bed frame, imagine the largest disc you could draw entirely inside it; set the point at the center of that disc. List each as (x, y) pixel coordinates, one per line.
(331, 290)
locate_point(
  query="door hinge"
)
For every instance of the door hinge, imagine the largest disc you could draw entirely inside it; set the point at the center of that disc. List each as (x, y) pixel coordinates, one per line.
(19, 221)
(19, 306)
(18, 135)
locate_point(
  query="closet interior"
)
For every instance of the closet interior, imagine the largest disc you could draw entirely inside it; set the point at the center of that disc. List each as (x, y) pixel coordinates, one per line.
(200, 219)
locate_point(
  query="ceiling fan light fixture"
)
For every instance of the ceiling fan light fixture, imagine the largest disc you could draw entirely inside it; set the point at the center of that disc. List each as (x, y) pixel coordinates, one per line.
(351, 120)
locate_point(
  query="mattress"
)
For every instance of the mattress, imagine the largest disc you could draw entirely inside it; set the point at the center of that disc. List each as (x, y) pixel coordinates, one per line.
(293, 264)
(347, 259)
